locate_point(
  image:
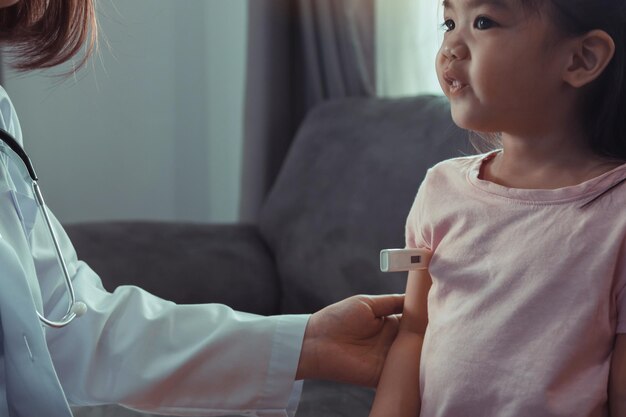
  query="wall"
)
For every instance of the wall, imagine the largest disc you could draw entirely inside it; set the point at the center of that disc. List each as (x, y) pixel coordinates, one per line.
(152, 128)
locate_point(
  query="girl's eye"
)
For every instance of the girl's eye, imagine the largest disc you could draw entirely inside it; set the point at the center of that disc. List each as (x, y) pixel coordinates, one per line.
(483, 23)
(448, 25)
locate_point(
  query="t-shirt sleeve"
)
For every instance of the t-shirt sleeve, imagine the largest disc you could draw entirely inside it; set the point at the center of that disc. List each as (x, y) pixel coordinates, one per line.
(415, 222)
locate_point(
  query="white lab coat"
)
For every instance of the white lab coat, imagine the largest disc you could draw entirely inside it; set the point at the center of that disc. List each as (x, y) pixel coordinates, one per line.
(130, 348)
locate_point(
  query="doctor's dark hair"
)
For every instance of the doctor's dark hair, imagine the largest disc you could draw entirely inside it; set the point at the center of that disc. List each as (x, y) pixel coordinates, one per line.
(45, 33)
(604, 105)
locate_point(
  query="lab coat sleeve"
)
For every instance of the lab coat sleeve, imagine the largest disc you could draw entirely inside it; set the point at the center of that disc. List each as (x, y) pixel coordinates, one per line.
(146, 353)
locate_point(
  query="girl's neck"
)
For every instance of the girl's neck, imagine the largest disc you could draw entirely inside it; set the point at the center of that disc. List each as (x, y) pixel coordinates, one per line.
(547, 162)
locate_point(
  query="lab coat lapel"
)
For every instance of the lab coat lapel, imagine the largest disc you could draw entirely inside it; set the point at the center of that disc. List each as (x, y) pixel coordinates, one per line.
(32, 387)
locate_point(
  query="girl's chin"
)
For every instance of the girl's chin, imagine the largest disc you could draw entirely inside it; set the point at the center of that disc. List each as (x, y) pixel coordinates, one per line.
(471, 114)
(463, 117)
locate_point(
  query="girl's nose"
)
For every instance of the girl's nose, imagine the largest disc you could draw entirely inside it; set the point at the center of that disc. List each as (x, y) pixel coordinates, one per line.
(454, 50)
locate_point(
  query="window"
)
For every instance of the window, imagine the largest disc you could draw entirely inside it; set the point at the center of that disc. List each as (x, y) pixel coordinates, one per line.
(408, 36)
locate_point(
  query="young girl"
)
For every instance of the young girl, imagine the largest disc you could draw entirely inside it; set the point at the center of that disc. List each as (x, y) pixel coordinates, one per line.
(130, 347)
(523, 310)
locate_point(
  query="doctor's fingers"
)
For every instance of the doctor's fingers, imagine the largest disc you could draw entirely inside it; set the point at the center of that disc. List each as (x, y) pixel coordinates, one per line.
(384, 305)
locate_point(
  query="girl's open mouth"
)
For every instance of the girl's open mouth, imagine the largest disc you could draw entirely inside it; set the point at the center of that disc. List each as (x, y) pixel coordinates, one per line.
(454, 84)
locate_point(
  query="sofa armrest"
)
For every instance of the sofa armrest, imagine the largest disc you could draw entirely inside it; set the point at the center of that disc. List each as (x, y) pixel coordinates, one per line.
(182, 262)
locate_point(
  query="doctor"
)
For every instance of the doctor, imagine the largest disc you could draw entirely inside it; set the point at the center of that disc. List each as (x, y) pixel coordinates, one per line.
(129, 347)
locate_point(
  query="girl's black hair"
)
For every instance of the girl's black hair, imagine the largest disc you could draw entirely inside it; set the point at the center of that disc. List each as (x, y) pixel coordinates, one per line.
(604, 108)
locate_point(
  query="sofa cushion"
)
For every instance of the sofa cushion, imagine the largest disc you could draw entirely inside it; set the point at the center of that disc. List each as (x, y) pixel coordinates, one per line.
(345, 190)
(183, 262)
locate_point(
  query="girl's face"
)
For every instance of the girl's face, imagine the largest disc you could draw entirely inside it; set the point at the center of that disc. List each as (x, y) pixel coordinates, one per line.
(499, 65)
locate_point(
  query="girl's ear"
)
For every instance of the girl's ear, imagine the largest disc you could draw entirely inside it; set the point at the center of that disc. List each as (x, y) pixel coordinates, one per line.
(591, 54)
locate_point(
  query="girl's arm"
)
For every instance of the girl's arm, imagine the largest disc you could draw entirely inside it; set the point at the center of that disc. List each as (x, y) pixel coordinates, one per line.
(398, 392)
(617, 380)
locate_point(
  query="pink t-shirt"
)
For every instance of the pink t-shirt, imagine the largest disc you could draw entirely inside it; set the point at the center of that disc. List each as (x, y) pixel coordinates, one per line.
(527, 295)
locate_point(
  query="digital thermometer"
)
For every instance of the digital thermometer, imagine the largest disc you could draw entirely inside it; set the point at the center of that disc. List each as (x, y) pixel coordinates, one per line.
(394, 260)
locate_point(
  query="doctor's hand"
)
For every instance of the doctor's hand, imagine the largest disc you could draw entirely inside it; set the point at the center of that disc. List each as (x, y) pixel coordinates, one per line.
(348, 341)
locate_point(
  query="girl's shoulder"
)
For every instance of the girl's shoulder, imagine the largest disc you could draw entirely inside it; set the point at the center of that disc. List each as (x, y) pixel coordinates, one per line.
(457, 168)
(611, 183)
(463, 162)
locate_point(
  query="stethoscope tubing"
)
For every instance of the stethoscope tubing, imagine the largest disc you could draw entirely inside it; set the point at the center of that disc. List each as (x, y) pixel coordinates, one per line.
(70, 314)
(74, 308)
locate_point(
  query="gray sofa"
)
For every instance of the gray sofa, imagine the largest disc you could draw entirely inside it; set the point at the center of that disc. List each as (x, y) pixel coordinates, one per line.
(343, 194)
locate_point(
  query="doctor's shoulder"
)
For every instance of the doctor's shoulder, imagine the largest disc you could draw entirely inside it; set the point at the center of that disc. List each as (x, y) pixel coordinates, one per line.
(8, 116)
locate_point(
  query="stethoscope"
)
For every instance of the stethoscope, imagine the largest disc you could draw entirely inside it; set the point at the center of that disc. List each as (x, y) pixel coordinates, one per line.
(10, 147)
